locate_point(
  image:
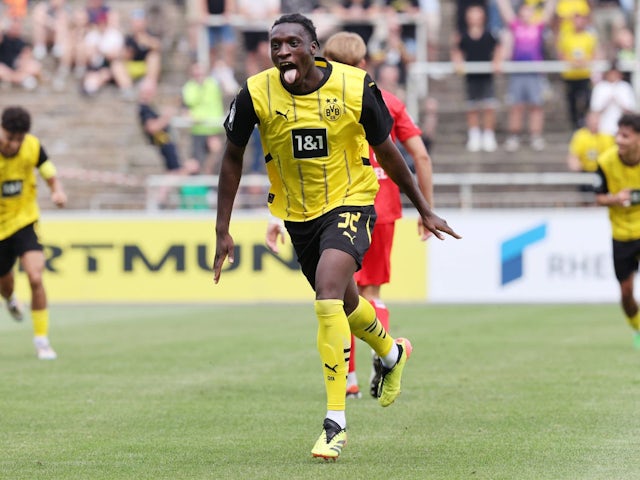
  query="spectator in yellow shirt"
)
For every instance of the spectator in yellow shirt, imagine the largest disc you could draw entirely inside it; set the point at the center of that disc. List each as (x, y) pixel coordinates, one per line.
(578, 47)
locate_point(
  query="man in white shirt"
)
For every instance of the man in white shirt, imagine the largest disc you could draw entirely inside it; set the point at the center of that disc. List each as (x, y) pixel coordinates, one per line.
(610, 98)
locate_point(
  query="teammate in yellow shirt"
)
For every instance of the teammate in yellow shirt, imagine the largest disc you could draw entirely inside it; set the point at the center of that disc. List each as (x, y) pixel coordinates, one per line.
(619, 171)
(316, 121)
(20, 155)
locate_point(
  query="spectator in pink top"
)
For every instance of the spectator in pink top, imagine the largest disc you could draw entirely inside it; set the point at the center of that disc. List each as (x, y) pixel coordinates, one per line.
(526, 90)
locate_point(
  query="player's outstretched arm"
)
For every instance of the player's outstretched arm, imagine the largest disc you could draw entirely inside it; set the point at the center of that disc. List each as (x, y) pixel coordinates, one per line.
(228, 181)
(394, 165)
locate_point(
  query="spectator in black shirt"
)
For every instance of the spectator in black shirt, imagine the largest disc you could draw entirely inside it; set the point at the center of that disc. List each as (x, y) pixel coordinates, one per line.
(17, 63)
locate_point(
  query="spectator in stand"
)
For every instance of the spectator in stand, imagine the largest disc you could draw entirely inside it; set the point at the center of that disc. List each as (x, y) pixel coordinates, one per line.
(608, 17)
(461, 10)
(51, 30)
(205, 103)
(17, 64)
(628, 10)
(429, 123)
(96, 10)
(392, 50)
(357, 16)
(566, 10)
(494, 23)
(255, 32)
(477, 44)
(404, 13)
(526, 90)
(611, 98)
(624, 44)
(587, 143)
(157, 128)
(102, 51)
(222, 41)
(388, 77)
(325, 24)
(431, 14)
(142, 51)
(578, 47)
(301, 6)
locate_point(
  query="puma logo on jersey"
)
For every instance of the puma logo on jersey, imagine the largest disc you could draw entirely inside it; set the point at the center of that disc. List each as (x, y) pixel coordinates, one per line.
(333, 369)
(283, 114)
(351, 237)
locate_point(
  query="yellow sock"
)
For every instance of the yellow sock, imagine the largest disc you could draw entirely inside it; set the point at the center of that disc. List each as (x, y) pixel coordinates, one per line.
(40, 322)
(634, 321)
(366, 326)
(334, 346)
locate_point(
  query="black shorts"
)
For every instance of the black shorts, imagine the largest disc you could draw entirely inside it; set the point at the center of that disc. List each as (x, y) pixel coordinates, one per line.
(169, 154)
(625, 258)
(347, 229)
(13, 247)
(480, 88)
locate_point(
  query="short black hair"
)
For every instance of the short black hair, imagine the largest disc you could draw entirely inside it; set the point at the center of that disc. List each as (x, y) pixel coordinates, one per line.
(16, 120)
(631, 120)
(302, 20)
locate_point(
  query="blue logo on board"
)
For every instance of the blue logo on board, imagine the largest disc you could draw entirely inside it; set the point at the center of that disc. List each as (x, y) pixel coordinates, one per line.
(511, 252)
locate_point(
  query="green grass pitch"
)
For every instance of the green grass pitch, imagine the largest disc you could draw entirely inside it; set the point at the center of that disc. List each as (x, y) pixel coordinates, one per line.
(235, 392)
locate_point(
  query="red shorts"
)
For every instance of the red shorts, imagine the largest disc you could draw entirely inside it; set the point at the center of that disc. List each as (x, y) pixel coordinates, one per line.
(376, 265)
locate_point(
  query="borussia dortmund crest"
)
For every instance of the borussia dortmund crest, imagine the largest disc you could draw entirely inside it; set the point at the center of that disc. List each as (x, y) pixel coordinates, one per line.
(332, 109)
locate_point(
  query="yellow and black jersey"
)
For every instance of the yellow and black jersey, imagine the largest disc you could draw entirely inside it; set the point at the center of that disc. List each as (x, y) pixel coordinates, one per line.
(316, 145)
(18, 204)
(616, 176)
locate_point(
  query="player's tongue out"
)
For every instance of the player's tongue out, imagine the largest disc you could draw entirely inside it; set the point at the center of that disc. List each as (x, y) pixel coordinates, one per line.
(290, 75)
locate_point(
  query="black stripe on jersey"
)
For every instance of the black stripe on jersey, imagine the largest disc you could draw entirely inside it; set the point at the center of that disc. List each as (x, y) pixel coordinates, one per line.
(366, 161)
(267, 158)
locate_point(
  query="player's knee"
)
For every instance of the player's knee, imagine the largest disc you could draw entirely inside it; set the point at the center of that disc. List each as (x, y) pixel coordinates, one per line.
(35, 279)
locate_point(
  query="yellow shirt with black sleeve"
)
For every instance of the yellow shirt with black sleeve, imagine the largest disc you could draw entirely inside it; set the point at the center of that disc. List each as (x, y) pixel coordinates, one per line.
(587, 146)
(616, 176)
(315, 145)
(18, 204)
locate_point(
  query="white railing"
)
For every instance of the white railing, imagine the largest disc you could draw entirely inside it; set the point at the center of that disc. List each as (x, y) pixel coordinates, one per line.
(253, 189)
(419, 72)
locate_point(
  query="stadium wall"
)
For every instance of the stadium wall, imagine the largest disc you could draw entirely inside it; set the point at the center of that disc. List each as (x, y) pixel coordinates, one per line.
(505, 256)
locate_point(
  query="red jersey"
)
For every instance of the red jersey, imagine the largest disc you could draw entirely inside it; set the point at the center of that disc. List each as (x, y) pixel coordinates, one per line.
(388, 205)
